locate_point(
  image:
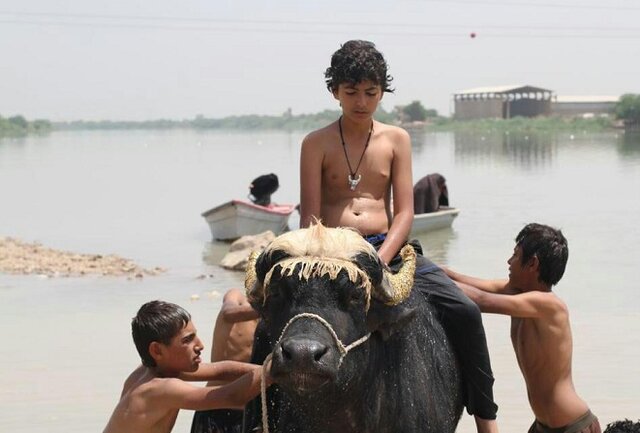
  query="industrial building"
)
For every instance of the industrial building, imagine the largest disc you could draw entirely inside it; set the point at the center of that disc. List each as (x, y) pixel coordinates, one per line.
(572, 106)
(502, 102)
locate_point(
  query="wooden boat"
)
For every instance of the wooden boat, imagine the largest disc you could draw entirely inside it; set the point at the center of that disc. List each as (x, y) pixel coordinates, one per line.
(238, 218)
(442, 218)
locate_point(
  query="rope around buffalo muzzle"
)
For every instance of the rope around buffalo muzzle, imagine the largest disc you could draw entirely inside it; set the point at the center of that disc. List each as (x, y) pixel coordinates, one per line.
(341, 347)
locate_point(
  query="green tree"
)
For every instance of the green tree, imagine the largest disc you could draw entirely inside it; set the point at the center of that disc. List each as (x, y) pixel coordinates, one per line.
(414, 112)
(19, 121)
(628, 108)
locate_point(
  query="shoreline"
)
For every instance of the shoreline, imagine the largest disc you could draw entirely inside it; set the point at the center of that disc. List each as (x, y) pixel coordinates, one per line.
(18, 257)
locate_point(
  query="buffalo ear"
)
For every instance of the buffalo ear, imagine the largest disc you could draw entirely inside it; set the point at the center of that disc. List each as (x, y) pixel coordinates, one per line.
(387, 320)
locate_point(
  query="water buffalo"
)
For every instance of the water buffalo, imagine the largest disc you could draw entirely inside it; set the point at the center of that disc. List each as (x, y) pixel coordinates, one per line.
(353, 348)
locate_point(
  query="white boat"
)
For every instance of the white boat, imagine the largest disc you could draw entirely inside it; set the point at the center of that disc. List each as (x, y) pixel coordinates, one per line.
(238, 218)
(442, 218)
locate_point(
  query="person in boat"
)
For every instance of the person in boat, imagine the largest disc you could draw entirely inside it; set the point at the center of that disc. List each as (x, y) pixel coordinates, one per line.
(349, 171)
(262, 187)
(540, 329)
(232, 340)
(169, 347)
(430, 193)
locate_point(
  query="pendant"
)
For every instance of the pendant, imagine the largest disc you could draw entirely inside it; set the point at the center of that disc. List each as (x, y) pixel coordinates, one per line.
(353, 182)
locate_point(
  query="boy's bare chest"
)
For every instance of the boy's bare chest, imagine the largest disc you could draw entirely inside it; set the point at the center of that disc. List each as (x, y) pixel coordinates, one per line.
(372, 168)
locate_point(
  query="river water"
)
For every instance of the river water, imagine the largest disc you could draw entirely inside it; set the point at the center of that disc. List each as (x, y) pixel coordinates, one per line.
(139, 194)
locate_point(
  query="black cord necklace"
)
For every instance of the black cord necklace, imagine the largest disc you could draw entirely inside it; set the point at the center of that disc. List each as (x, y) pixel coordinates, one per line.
(353, 180)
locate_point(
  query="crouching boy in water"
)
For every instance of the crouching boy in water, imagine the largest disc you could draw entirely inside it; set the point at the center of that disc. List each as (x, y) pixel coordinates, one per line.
(348, 171)
(540, 329)
(170, 351)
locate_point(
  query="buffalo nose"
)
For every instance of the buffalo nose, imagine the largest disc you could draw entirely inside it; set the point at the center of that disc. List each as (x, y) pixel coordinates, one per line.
(302, 351)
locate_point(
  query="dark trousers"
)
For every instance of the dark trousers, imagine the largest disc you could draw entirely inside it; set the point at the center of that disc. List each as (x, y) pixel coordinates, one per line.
(462, 321)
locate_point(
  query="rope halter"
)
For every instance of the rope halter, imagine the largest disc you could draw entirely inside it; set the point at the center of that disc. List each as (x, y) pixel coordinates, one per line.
(341, 347)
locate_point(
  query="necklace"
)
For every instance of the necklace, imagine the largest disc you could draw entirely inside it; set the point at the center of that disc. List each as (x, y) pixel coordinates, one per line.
(353, 180)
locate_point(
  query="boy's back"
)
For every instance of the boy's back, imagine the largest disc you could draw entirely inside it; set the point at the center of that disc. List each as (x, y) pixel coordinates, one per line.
(543, 347)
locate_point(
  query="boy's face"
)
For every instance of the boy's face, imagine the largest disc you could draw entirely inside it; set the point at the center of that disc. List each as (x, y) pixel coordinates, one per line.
(359, 100)
(182, 353)
(521, 275)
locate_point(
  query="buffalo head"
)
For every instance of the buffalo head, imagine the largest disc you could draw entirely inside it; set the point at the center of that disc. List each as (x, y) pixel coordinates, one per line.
(321, 292)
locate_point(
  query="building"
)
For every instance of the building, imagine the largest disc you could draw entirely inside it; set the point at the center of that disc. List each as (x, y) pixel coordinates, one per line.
(502, 102)
(584, 105)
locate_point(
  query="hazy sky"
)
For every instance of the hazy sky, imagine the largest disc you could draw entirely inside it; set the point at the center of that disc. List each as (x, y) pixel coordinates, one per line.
(127, 59)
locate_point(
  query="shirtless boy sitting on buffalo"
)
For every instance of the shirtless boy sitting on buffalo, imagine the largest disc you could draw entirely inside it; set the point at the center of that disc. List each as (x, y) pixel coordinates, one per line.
(348, 172)
(170, 351)
(540, 329)
(232, 340)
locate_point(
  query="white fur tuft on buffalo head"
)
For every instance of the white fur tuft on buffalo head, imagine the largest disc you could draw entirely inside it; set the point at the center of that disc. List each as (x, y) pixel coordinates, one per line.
(318, 251)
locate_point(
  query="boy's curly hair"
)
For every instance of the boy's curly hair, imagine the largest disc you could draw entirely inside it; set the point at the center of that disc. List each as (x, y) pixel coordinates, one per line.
(357, 61)
(626, 426)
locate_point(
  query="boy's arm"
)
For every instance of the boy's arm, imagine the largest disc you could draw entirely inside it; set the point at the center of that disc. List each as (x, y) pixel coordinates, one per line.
(311, 156)
(524, 305)
(222, 370)
(402, 189)
(176, 394)
(492, 286)
(236, 308)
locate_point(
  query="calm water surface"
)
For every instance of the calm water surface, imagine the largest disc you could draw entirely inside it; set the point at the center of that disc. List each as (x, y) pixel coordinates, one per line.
(139, 194)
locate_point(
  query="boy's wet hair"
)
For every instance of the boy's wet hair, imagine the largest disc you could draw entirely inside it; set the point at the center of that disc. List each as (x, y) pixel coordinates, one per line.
(157, 321)
(550, 247)
(357, 61)
(626, 426)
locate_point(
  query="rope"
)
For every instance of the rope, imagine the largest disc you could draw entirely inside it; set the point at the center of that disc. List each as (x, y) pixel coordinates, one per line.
(343, 352)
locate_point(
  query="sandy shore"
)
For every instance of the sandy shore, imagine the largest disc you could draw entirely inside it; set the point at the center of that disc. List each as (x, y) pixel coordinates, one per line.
(22, 258)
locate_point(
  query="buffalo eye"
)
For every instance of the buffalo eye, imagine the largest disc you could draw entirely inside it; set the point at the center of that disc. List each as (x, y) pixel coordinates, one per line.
(352, 296)
(276, 290)
(355, 296)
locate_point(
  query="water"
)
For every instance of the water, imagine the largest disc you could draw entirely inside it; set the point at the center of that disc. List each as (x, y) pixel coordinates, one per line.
(139, 194)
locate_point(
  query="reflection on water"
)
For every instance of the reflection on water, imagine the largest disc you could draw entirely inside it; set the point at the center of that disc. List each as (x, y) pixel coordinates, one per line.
(436, 244)
(214, 251)
(629, 143)
(86, 192)
(522, 149)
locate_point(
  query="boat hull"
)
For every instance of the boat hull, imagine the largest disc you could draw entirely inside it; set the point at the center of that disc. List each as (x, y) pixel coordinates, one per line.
(440, 219)
(237, 218)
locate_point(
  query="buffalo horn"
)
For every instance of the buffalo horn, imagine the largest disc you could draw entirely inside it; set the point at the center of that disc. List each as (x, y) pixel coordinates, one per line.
(251, 285)
(395, 288)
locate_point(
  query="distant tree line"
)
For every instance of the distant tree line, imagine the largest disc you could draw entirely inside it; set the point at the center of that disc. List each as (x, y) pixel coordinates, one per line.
(411, 113)
(18, 126)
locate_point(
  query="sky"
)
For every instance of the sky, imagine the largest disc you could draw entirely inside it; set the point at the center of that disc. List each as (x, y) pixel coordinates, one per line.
(141, 60)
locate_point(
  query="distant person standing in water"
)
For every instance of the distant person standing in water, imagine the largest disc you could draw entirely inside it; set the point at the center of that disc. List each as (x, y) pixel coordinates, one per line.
(540, 329)
(348, 172)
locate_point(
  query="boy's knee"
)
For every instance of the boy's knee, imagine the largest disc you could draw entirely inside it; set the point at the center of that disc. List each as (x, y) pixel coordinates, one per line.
(471, 313)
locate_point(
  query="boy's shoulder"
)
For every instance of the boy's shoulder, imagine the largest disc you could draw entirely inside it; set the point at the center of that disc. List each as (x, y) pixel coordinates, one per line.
(392, 130)
(143, 381)
(323, 133)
